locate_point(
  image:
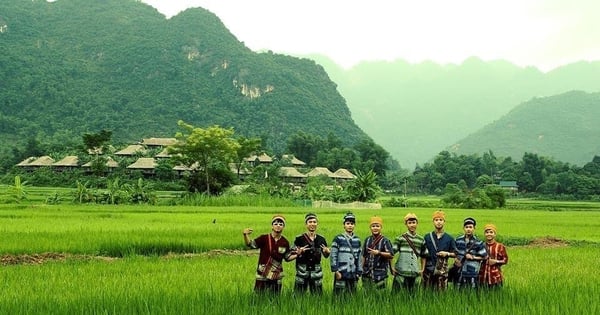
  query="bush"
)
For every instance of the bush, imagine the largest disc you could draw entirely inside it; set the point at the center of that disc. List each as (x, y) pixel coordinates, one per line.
(490, 197)
(396, 202)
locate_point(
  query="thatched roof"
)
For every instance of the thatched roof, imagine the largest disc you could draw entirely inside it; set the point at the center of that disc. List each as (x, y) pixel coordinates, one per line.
(131, 150)
(263, 158)
(143, 163)
(109, 163)
(243, 170)
(343, 173)
(100, 151)
(26, 161)
(94, 151)
(287, 171)
(293, 160)
(185, 168)
(158, 142)
(42, 161)
(163, 154)
(318, 171)
(70, 160)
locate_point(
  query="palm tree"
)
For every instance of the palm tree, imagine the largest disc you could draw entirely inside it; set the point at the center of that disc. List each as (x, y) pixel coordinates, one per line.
(19, 189)
(364, 187)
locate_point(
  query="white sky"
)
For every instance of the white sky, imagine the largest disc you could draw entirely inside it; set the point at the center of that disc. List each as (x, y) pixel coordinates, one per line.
(541, 33)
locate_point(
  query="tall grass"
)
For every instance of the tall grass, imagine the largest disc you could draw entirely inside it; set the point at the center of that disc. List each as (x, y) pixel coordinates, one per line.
(139, 229)
(539, 281)
(258, 200)
(148, 279)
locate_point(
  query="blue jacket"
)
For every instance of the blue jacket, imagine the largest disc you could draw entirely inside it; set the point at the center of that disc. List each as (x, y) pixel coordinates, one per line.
(475, 247)
(346, 256)
(444, 243)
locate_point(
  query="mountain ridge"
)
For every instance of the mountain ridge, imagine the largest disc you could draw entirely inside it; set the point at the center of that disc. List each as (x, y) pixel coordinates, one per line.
(417, 110)
(540, 125)
(75, 66)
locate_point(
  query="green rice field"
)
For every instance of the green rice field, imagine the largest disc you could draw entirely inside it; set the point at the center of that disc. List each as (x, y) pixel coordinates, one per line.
(105, 259)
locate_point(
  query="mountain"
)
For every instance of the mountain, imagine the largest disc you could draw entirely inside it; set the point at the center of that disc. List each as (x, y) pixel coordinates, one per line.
(74, 66)
(417, 110)
(564, 127)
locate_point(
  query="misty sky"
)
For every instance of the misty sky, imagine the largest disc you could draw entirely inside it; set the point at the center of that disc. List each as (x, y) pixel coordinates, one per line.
(545, 34)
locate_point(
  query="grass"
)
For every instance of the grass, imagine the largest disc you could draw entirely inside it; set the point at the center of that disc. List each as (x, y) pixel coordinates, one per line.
(162, 260)
(222, 284)
(155, 230)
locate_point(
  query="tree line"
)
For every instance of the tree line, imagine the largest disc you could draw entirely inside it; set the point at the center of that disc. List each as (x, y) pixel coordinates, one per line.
(534, 174)
(464, 180)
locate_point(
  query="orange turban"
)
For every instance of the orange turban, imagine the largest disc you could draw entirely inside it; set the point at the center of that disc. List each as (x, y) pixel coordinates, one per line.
(439, 214)
(410, 216)
(489, 227)
(377, 220)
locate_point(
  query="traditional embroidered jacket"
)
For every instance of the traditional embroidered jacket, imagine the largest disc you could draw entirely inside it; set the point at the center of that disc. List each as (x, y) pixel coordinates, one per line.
(310, 260)
(376, 267)
(434, 245)
(492, 275)
(409, 262)
(272, 253)
(475, 247)
(346, 256)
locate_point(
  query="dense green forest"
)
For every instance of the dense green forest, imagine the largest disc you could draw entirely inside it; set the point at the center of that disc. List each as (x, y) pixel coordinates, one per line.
(417, 110)
(75, 66)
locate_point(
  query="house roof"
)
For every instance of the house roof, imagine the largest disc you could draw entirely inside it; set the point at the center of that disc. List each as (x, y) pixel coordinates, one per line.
(263, 158)
(70, 160)
(185, 168)
(94, 151)
(162, 142)
(163, 154)
(287, 171)
(318, 171)
(293, 160)
(143, 163)
(109, 163)
(343, 174)
(42, 161)
(100, 150)
(131, 150)
(508, 183)
(243, 170)
(26, 161)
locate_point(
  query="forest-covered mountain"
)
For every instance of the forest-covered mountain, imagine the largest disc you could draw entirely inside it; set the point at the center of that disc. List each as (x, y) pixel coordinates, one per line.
(416, 110)
(74, 66)
(564, 127)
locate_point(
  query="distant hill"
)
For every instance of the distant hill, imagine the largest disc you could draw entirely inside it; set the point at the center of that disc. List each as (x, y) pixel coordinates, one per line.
(417, 110)
(75, 66)
(564, 127)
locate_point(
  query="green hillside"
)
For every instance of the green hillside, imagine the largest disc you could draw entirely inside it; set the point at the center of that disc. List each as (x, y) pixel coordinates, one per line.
(416, 110)
(75, 66)
(564, 127)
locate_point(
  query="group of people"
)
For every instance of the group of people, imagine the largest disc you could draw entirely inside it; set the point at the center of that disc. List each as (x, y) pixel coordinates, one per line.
(425, 259)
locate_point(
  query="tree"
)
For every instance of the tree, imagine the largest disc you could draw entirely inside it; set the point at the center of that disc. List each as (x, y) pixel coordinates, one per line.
(18, 190)
(204, 150)
(532, 165)
(95, 142)
(374, 157)
(306, 146)
(364, 187)
(593, 167)
(484, 180)
(497, 196)
(248, 146)
(453, 195)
